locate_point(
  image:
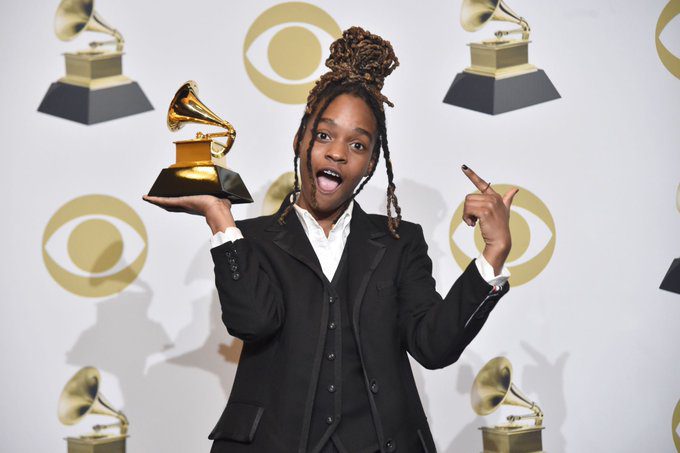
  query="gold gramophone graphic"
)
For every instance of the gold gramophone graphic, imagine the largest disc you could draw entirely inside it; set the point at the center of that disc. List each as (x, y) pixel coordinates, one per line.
(492, 388)
(81, 397)
(500, 77)
(200, 166)
(94, 88)
(671, 281)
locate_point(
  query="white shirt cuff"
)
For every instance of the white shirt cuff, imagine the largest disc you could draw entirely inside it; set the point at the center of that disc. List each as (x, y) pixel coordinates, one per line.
(230, 234)
(486, 271)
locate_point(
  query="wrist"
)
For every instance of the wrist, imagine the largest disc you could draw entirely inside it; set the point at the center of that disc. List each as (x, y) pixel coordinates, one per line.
(496, 257)
(219, 218)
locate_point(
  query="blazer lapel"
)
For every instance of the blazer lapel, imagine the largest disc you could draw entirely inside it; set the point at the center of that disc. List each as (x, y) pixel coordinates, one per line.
(291, 238)
(364, 254)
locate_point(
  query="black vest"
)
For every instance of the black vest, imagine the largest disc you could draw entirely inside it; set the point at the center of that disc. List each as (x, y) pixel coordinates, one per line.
(341, 413)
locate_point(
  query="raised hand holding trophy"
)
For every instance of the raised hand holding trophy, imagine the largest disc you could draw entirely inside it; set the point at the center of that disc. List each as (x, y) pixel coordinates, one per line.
(200, 167)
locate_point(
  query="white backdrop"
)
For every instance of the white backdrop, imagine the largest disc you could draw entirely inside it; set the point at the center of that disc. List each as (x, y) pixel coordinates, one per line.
(591, 338)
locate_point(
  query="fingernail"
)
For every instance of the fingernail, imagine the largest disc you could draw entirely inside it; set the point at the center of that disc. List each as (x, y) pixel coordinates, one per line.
(464, 167)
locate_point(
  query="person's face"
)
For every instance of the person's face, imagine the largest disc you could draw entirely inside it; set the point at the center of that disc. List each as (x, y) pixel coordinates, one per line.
(341, 156)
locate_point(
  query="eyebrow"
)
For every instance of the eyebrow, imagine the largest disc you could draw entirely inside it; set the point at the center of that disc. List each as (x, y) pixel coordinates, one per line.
(356, 129)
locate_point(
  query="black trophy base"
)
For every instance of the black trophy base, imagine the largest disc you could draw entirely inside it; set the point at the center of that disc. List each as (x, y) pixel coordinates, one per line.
(494, 96)
(201, 180)
(87, 106)
(671, 282)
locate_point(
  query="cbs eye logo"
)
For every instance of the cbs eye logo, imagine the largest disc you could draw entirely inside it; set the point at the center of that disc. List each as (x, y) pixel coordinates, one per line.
(533, 236)
(675, 425)
(670, 61)
(282, 51)
(94, 246)
(282, 186)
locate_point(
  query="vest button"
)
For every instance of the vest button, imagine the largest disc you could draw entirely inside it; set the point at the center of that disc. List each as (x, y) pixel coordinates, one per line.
(390, 445)
(331, 388)
(330, 356)
(331, 300)
(233, 268)
(331, 325)
(329, 420)
(374, 386)
(236, 276)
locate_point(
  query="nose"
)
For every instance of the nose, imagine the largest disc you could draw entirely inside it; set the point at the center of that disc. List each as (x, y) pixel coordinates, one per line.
(336, 152)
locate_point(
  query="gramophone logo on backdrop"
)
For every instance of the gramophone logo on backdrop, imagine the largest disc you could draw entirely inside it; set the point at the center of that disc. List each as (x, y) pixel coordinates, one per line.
(94, 88)
(670, 61)
(94, 246)
(533, 236)
(283, 50)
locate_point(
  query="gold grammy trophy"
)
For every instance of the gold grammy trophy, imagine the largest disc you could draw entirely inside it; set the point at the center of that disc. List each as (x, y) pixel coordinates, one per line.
(493, 388)
(81, 397)
(500, 77)
(94, 88)
(200, 166)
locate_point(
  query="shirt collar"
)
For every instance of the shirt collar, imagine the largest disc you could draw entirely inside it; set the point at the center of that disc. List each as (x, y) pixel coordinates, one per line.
(309, 222)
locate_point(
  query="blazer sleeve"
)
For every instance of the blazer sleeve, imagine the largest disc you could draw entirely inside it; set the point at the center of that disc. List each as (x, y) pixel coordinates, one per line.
(435, 331)
(251, 300)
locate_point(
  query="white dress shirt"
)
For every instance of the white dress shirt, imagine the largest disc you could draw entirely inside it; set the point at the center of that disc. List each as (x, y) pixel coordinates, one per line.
(329, 248)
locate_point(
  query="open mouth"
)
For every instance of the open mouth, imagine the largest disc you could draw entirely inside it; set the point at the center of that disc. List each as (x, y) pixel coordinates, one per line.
(328, 180)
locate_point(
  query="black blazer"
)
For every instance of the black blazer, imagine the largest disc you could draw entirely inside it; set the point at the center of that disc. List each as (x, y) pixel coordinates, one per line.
(274, 297)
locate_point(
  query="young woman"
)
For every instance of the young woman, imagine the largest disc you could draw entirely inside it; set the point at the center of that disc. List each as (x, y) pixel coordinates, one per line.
(327, 299)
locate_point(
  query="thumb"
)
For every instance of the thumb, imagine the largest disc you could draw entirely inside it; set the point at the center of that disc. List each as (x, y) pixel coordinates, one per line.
(509, 196)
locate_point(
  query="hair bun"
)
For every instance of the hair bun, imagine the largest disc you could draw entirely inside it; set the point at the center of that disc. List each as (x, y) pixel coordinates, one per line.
(359, 54)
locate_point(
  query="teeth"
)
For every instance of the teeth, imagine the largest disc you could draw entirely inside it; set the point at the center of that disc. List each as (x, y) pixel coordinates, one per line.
(331, 173)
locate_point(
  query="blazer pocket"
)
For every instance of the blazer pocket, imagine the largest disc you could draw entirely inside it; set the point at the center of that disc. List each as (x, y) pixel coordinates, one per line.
(238, 422)
(386, 288)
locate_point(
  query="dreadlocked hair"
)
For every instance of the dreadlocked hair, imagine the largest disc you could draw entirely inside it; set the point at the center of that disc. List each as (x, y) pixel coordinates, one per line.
(359, 62)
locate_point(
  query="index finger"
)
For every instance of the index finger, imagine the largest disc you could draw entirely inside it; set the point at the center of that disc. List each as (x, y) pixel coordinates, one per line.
(476, 180)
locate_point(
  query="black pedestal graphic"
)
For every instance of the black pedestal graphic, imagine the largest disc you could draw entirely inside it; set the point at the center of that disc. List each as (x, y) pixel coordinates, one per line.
(494, 96)
(88, 106)
(201, 180)
(671, 282)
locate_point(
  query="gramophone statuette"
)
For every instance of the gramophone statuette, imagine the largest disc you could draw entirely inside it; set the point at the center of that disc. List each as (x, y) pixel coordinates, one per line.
(492, 388)
(200, 165)
(94, 88)
(81, 397)
(500, 77)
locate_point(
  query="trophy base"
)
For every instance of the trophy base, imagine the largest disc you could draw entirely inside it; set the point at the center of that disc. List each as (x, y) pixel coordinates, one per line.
(96, 444)
(201, 180)
(504, 439)
(671, 282)
(90, 106)
(493, 96)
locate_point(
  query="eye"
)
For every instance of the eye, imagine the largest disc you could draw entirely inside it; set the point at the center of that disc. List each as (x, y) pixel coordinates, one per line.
(667, 28)
(322, 136)
(283, 50)
(358, 146)
(533, 236)
(94, 246)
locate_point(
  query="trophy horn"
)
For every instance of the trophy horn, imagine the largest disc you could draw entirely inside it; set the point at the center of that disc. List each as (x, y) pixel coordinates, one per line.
(493, 387)
(75, 16)
(474, 14)
(81, 396)
(186, 107)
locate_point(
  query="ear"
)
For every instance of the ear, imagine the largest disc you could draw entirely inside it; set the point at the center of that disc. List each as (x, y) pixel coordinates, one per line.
(371, 166)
